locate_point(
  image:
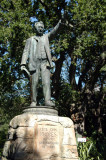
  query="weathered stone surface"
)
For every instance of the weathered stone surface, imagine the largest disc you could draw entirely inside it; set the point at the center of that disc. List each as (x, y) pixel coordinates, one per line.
(25, 132)
(47, 139)
(48, 118)
(6, 148)
(69, 137)
(66, 122)
(70, 152)
(41, 137)
(22, 149)
(23, 120)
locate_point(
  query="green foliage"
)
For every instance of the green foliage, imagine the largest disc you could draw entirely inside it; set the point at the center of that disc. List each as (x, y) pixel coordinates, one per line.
(89, 150)
(3, 133)
(66, 98)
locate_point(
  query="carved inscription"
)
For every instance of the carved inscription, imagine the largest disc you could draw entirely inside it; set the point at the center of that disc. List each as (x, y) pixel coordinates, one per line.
(48, 139)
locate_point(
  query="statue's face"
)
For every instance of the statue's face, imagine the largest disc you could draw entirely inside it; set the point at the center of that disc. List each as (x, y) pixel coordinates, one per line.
(40, 29)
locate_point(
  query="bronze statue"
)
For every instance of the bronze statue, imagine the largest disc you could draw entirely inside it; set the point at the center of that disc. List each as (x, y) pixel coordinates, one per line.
(40, 61)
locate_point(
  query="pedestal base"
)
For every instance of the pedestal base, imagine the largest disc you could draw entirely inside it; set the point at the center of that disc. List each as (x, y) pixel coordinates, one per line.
(45, 110)
(40, 137)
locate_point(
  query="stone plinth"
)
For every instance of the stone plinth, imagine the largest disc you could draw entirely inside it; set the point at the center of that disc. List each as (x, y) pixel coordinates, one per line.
(40, 137)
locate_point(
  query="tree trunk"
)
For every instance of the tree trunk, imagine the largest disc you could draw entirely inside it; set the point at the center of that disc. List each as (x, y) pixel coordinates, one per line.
(72, 71)
(56, 75)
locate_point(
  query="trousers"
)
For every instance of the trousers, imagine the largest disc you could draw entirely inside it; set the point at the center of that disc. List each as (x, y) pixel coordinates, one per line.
(41, 69)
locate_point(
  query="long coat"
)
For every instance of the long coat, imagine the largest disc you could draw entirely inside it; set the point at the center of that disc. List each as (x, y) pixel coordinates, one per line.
(32, 48)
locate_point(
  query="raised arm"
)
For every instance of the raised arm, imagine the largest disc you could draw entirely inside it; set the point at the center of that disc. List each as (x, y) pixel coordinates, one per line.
(55, 30)
(62, 22)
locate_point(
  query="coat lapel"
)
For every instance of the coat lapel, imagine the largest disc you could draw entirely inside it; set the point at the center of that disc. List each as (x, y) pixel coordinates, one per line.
(47, 49)
(36, 38)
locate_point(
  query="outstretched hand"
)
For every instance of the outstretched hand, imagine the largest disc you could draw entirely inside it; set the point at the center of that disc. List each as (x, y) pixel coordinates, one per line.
(64, 20)
(63, 17)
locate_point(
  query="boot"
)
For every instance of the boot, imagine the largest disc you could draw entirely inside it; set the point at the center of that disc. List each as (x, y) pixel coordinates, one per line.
(49, 103)
(33, 104)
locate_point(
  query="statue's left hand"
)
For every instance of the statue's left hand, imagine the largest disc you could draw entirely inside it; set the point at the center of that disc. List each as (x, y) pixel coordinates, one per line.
(63, 17)
(64, 20)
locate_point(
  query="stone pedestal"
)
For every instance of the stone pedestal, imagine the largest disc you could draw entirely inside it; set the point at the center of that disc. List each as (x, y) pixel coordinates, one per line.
(40, 134)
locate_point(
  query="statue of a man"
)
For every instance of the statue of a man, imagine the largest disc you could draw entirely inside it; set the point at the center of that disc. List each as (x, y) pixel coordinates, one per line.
(37, 50)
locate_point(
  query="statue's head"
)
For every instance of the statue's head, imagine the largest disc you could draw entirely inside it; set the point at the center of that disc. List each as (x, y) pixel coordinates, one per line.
(39, 28)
